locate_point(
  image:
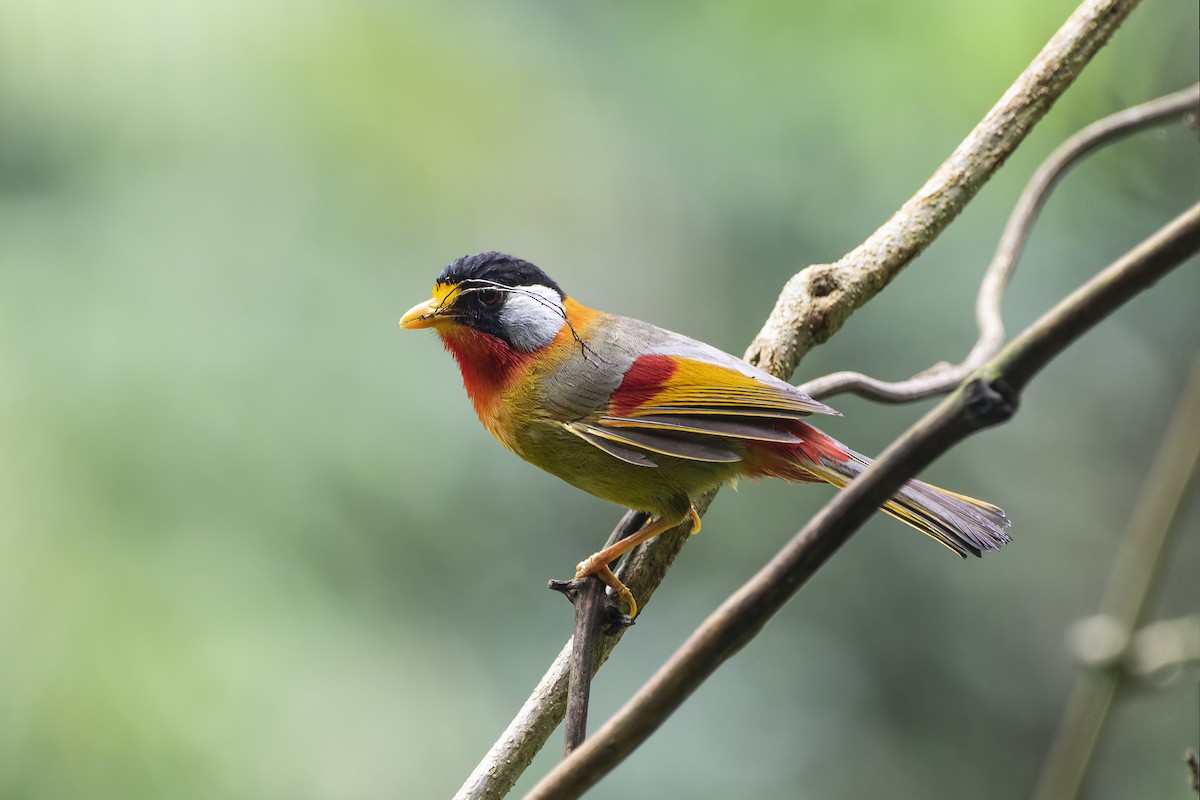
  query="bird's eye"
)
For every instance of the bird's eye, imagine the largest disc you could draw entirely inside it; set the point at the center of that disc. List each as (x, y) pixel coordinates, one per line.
(489, 297)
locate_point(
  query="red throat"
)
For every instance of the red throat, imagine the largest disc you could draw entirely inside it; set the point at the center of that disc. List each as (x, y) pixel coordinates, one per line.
(488, 364)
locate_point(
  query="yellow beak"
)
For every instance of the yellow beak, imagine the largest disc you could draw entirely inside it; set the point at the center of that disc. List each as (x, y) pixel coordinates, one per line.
(422, 315)
(431, 313)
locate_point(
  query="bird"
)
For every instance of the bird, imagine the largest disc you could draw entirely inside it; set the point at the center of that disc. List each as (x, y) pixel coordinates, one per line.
(644, 417)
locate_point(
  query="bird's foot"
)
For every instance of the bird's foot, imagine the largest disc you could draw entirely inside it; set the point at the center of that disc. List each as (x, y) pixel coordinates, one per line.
(592, 565)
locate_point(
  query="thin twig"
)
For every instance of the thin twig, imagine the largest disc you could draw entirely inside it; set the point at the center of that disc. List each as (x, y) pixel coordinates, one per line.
(545, 707)
(1135, 572)
(537, 718)
(988, 398)
(943, 378)
(591, 604)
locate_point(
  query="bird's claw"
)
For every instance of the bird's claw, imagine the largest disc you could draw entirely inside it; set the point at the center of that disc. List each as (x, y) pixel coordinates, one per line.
(594, 566)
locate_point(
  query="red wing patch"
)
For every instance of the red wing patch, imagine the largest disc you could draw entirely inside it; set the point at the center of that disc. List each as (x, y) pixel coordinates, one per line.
(658, 384)
(693, 409)
(644, 381)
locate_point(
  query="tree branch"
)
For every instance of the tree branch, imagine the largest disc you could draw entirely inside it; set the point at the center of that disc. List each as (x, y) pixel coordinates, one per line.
(988, 398)
(942, 378)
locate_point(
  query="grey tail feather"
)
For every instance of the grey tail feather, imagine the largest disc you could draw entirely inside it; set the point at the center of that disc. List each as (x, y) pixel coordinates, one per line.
(965, 525)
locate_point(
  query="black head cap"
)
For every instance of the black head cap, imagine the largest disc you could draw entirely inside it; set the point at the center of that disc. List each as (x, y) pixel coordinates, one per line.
(499, 268)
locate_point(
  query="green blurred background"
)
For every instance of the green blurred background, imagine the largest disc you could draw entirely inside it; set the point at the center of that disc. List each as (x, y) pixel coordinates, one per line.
(253, 542)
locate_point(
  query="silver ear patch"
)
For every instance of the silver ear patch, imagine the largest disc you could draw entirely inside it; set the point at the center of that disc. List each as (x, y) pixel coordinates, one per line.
(532, 316)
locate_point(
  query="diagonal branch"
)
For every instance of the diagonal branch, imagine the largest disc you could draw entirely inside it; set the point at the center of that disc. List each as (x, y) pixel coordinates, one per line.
(988, 398)
(945, 192)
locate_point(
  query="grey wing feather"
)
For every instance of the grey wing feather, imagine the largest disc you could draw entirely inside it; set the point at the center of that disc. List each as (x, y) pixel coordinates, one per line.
(666, 443)
(733, 427)
(626, 454)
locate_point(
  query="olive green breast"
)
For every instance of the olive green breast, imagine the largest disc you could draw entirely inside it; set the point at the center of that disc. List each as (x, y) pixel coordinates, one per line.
(666, 489)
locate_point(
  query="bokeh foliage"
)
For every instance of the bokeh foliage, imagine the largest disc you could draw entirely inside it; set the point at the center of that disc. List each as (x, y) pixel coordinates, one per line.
(253, 542)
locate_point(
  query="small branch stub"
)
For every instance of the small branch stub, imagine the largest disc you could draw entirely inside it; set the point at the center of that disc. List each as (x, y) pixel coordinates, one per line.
(989, 402)
(568, 589)
(612, 618)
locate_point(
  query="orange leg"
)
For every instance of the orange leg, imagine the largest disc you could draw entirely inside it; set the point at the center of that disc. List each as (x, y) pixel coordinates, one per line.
(597, 563)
